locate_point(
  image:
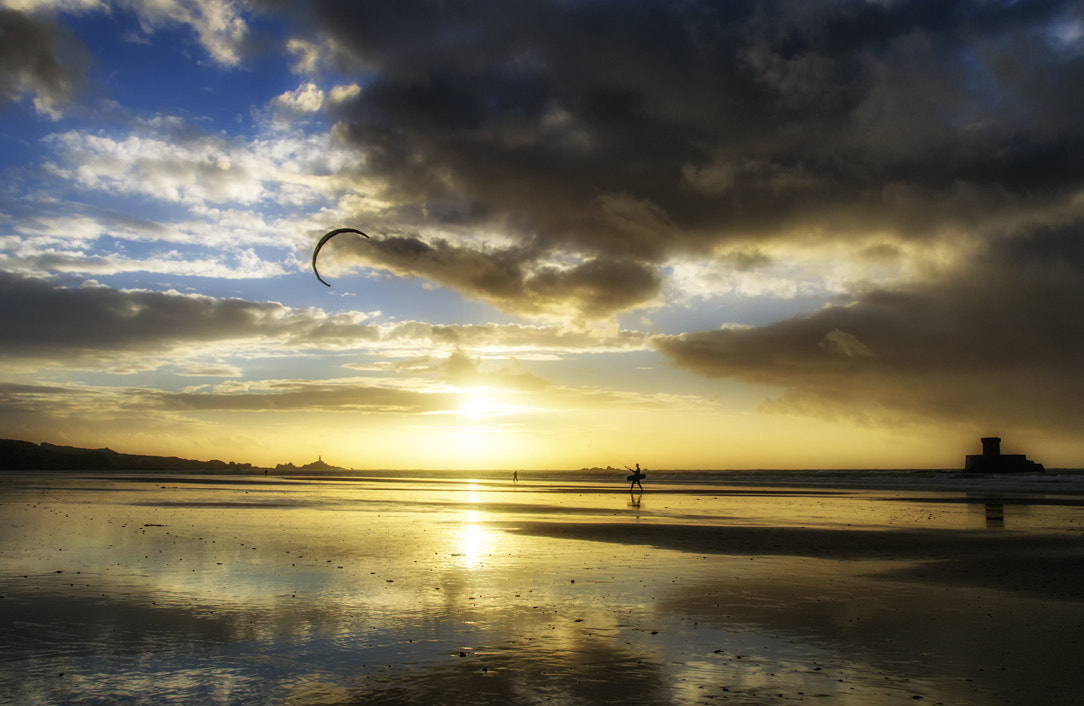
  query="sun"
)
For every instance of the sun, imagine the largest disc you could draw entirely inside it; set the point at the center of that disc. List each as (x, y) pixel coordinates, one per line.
(477, 406)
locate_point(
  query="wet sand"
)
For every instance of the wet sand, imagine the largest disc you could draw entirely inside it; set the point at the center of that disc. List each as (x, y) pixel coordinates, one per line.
(201, 589)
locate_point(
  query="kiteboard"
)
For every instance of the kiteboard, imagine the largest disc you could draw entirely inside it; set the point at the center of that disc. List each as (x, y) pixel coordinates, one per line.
(636, 477)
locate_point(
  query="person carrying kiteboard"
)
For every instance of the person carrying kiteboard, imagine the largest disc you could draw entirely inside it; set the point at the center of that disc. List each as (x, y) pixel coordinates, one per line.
(635, 478)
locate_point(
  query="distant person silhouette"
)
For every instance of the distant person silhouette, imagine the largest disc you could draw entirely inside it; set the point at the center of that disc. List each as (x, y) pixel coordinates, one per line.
(515, 476)
(635, 478)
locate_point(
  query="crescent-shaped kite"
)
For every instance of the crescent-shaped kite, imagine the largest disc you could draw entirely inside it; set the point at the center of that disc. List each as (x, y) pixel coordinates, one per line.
(328, 236)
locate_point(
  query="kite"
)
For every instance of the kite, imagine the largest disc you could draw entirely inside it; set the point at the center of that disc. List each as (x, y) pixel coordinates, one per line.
(328, 236)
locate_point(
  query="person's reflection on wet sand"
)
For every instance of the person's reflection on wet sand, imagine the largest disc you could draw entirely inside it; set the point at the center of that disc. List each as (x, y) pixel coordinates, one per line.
(634, 499)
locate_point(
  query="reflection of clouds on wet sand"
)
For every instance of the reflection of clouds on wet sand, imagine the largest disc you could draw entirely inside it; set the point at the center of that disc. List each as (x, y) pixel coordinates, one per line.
(1047, 565)
(402, 592)
(590, 671)
(969, 645)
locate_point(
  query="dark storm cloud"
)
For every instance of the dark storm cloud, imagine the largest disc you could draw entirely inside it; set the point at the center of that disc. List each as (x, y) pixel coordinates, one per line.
(998, 345)
(19, 401)
(40, 318)
(38, 58)
(512, 279)
(640, 128)
(301, 396)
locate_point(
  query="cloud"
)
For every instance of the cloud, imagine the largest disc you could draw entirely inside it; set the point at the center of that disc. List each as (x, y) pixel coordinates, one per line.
(46, 322)
(174, 165)
(689, 147)
(86, 411)
(306, 98)
(344, 92)
(219, 24)
(844, 343)
(75, 261)
(32, 407)
(692, 132)
(918, 165)
(701, 123)
(308, 55)
(39, 59)
(514, 279)
(350, 395)
(995, 344)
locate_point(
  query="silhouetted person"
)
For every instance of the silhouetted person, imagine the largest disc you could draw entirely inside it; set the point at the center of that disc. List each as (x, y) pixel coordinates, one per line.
(635, 478)
(515, 476)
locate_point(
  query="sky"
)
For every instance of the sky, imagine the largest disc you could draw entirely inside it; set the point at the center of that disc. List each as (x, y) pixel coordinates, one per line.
(684, 234)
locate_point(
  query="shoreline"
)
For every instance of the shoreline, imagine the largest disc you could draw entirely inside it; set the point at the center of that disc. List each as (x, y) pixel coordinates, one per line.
(1050, 488)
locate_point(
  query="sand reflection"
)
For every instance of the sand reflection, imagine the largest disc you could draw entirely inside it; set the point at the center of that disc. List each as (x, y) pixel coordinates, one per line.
(346, 591)
(473, 542)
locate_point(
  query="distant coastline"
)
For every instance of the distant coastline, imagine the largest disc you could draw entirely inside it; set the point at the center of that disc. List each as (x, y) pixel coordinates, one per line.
(16, 455)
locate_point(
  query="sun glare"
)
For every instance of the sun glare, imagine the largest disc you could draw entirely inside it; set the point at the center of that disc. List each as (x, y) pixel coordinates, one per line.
(477, 406)
(473, 539)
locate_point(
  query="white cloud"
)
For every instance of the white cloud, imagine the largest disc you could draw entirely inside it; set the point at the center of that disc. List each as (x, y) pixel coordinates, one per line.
(815, 266)
(218, 24)
(244, 266)
(48, 106)
(307, 53)
(707, 279)
(166, 164)
(194, 172)
(228, 194)
(307, 98)
(343, 93)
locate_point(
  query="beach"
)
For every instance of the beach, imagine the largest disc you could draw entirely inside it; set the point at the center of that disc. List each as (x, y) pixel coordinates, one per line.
(853, 589)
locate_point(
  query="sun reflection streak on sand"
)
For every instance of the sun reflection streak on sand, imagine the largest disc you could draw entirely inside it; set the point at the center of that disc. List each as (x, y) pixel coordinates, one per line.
(472, 542)
(472, 537)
